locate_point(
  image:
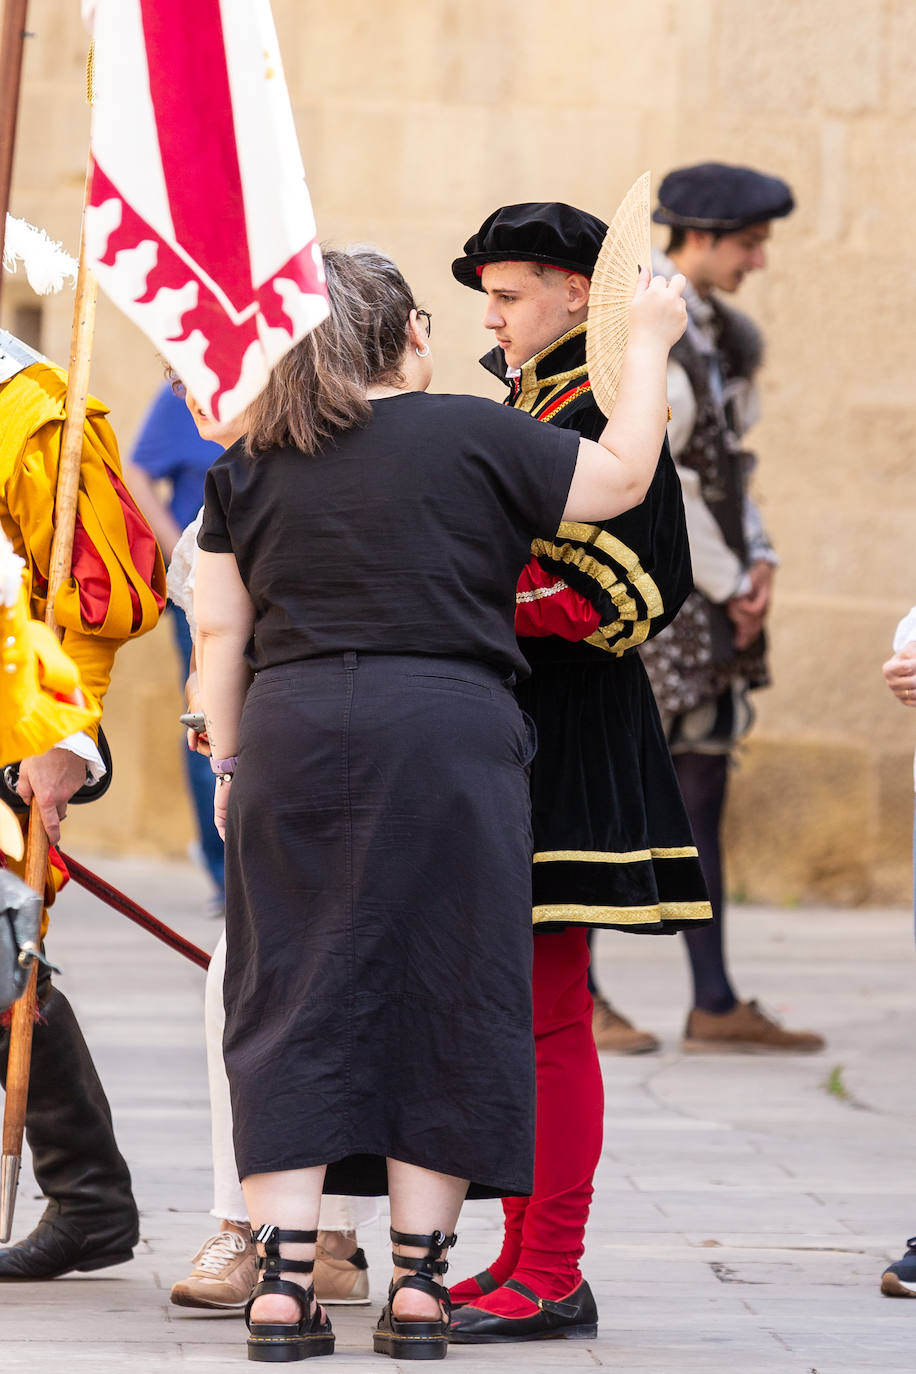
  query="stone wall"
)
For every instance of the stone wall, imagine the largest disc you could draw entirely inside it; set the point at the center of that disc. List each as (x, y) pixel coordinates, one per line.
(415, 121)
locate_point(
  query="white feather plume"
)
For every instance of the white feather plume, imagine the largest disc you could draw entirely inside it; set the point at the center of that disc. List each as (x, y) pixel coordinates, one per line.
(46, 264)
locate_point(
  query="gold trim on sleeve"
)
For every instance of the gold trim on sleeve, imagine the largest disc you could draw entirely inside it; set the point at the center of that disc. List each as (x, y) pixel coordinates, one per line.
(622, 554)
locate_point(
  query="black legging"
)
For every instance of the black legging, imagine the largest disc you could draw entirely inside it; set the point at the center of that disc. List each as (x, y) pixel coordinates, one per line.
(703, 779)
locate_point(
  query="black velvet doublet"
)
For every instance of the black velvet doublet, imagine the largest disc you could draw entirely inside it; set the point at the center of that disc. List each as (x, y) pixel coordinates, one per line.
(612, 841)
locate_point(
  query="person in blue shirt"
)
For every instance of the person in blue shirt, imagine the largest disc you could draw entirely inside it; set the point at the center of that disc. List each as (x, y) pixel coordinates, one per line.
(169, 449)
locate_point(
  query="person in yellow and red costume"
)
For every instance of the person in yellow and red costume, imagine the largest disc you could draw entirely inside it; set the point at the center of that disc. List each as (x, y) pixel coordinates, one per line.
(116, 591)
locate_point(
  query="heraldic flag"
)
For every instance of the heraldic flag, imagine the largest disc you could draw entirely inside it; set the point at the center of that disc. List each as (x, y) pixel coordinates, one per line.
(199, 224)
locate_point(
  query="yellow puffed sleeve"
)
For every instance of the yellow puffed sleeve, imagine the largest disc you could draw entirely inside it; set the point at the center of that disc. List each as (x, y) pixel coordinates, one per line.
(35, 677)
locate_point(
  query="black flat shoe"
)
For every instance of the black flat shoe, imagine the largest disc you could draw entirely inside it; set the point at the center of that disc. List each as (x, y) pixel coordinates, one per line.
(485, 1283)
(575, 1318)
(416, 1340)
(284, 1342)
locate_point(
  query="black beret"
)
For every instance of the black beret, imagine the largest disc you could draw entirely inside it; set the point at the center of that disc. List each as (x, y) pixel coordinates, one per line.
(714, 195)
(550, 232)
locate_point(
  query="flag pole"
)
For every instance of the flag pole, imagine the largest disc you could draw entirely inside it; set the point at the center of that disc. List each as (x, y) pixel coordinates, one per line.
(12, 44)
(68, 480)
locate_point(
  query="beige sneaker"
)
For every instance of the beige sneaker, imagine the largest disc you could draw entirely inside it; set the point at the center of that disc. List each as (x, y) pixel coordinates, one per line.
(341, 1282)
(744, 1030)
(225, 1271)
(614, 1034)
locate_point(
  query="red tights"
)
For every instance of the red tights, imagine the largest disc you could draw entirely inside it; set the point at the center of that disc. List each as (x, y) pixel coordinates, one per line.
(545, 1233)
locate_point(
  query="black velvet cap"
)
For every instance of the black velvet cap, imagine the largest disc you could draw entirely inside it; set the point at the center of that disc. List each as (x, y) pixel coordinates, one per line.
(550, 232)
(715, 195)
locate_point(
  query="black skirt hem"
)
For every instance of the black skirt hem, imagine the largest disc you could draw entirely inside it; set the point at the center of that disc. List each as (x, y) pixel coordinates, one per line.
(363, 1173)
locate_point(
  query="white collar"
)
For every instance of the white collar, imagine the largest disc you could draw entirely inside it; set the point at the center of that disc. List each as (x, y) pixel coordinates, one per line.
(15, 356)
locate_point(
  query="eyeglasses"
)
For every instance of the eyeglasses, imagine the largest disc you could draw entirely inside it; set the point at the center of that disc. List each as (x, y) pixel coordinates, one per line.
(175, 382)
(425, 315)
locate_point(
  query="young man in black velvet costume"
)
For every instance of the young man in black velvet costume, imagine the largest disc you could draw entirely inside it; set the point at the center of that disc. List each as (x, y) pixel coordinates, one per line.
(611, 837)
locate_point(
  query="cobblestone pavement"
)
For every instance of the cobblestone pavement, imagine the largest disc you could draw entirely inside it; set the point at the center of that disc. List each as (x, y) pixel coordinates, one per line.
(743, 1211)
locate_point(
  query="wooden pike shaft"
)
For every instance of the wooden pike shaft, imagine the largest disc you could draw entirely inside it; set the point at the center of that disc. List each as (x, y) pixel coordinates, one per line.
(12, 40)
(68, 480)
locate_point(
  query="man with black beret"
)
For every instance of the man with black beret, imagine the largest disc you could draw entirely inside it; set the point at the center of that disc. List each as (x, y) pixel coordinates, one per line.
(704, 665)
(612, 844)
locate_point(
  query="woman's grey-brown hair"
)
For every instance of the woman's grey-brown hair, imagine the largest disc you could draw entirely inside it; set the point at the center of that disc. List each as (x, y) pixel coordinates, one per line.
(318, 388)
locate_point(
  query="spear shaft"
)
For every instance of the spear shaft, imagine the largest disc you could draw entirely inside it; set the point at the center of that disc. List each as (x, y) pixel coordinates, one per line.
(68, 480)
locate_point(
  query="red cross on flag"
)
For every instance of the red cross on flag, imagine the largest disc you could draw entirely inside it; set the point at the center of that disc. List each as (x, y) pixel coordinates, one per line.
(199, 224)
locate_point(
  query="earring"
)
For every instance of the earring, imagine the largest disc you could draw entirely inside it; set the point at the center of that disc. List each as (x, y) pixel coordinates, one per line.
(422, 352)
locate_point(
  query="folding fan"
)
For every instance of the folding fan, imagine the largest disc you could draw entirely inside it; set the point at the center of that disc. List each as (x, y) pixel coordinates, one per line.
(627, 247)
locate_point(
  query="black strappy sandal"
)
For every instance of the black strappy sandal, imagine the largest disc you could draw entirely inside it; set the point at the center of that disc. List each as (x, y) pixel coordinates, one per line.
(416, 1340)
(281, 1342)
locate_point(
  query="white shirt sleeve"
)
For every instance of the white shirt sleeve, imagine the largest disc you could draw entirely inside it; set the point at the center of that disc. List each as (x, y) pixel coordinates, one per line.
(717, 571)
(683, 408)
(759, 547)
(180, 577)
(84, 748)
(905, 632)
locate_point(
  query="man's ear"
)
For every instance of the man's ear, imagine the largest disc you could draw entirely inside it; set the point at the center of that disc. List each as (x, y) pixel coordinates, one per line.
(577, 289)
(700, 239)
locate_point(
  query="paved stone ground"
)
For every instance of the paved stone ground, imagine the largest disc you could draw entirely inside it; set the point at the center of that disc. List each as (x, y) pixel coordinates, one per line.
(743, 1212)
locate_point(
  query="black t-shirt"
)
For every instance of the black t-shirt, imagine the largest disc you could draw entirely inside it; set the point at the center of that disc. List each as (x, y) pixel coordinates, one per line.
(406, 536)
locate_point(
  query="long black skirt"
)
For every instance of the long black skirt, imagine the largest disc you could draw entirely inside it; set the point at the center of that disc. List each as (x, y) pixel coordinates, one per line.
(378, 903)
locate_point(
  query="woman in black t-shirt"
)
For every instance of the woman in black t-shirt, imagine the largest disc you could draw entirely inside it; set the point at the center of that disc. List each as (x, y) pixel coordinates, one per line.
(355, 598)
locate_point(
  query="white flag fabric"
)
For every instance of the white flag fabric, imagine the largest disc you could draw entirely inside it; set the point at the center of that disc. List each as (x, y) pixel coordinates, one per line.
(199, 224)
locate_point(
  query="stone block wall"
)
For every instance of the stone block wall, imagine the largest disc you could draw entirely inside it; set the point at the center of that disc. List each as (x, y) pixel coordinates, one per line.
(415, 121)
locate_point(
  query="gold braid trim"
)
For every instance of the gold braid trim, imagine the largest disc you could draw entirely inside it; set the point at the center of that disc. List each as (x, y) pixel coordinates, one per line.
(599, 572)
(623, 915)
(530, 384)
(622, 554)
(598, 856)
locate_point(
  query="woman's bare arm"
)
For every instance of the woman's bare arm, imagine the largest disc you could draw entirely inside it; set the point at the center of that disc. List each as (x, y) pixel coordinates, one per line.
(225, 618)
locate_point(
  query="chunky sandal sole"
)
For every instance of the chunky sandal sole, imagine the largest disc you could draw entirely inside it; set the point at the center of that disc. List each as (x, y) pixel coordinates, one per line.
(277, 1348)
(410, 1347)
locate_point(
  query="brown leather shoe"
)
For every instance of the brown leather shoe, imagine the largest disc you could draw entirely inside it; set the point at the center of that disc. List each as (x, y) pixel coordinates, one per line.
(744, 1030)
(614, 1034)
(341, 1282)
(224, 1273)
